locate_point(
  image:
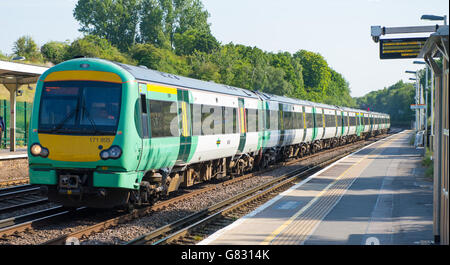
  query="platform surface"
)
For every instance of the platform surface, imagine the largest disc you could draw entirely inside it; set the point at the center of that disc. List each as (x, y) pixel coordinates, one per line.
(6, 154)
(378, 195)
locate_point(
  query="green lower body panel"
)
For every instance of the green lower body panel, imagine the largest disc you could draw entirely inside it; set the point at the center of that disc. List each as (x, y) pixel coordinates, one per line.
(43, 177)
(127, 180)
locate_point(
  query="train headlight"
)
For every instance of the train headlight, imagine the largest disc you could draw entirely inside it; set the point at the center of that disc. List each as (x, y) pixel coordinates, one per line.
(44, 152)
(104, 154)
(36, 149)
(115, 152)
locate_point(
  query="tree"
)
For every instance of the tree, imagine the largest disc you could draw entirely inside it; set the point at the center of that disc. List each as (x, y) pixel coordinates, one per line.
(159, 59)
(162, 19)
(194, 40)
(26, 47)
(316, 74)
(54, 51)
(394, 100)
(94, 46)
(115, 20)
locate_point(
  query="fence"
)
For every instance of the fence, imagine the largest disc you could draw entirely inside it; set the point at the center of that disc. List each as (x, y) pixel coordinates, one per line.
(23, 114)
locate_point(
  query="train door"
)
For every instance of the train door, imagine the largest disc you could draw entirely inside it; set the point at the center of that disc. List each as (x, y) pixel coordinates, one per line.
(242, 124)
(336, 122)
(358, 124)
(184, 114)
(142, 111)
(304, 124)
(314, 132)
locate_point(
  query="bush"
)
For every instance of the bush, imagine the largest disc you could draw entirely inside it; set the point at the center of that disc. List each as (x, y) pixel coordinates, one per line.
(428, 163)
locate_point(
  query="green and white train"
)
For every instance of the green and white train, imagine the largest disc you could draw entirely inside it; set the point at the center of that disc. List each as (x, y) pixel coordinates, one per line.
(106, 134)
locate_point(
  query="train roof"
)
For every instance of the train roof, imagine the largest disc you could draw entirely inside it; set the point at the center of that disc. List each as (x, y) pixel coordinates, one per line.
(145, 74)
(282, 99)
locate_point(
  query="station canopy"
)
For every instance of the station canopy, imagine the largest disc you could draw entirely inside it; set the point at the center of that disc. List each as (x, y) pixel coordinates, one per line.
(19, 73)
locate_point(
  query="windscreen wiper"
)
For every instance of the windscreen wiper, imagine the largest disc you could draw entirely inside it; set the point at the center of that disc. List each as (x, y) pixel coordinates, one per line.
(60, 125)
(90, 119)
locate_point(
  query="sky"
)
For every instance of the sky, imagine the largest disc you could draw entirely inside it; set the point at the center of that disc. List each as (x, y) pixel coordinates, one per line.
(337, 29)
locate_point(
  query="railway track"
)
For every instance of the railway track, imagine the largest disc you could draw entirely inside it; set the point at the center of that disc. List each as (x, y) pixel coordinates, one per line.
(20, 224)
(18, 197)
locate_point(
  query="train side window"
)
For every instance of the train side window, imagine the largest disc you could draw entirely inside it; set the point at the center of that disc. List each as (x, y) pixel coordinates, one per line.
(339, 120)
(300, 120)
(296, 120)
(260, 120)
(229, 120)
(274, 119)
(319, 120)
(330, 120)
(252, 120)
(353, 121)
(196, 115)
(211, 120)
(309, 120)
(164, 118)
(144, 116)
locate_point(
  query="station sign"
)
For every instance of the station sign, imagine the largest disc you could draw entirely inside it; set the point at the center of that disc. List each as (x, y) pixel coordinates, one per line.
(418, 106)
(402, 48)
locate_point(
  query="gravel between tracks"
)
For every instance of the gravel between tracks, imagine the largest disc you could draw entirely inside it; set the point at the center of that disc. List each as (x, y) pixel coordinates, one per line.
(27, 210)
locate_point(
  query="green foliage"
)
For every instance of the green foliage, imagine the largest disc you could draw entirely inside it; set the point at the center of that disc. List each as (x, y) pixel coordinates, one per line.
(3, 56)
(194, 40)
(316, 73)
(26, 47)
(159, 59)
(428, 163)
(94, 46)
(54, 51)
(164, 22)
(114, 20)
(394, 100)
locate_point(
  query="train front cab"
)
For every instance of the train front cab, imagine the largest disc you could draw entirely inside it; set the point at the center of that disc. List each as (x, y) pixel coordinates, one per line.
(79, 147)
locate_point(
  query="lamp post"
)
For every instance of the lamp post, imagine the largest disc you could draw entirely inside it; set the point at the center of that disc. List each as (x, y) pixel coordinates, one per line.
(433, 17)
(417, 125)
(427, 90)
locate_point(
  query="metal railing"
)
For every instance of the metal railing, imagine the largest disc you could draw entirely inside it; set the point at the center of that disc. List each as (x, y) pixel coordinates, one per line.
(23, 115)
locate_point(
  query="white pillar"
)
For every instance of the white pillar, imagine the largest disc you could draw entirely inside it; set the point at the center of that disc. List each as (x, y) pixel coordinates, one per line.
(12, 120)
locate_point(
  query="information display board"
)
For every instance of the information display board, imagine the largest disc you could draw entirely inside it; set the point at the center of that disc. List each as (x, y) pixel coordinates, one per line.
(401, 48)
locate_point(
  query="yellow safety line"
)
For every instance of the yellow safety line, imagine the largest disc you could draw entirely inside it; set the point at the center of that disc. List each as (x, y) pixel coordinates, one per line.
(275, 233)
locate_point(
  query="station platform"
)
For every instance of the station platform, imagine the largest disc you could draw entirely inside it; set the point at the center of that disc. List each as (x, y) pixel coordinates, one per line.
(6, 154)
(377, 195)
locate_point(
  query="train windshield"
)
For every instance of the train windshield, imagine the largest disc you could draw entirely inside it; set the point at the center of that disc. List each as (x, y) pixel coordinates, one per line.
(80, 107)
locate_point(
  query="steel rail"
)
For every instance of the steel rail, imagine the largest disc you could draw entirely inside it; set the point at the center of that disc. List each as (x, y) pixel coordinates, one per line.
(17, 197)
(13, 225)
